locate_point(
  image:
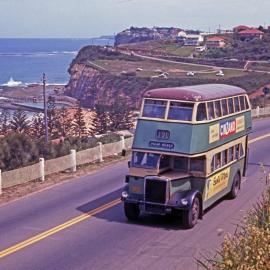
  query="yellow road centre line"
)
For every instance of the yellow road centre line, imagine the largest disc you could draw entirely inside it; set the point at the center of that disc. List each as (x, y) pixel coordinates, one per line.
(76, 220)
(56, 229)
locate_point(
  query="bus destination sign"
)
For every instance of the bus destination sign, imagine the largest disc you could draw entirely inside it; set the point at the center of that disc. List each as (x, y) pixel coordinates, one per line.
(164, 145)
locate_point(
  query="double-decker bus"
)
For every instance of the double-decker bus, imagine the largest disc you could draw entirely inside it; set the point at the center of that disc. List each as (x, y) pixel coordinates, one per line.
(190, 149)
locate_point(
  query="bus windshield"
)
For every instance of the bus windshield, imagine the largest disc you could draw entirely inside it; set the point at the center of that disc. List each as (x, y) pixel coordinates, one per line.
(145, 160)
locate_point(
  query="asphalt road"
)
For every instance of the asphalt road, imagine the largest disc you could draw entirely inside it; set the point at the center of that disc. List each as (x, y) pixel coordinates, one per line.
(68, 226)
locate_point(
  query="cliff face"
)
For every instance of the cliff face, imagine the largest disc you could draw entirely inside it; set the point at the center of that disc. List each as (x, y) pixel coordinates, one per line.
(92, 86)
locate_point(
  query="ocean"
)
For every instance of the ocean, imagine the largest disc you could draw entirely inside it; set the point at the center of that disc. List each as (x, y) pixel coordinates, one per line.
(25, 60)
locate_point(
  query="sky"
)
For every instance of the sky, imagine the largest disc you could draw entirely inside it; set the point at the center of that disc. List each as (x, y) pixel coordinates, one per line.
(93, 18)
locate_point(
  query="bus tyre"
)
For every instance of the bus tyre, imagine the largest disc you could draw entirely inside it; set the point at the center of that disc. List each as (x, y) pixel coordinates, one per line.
(132, 211)
(235, 186)
(191, 216)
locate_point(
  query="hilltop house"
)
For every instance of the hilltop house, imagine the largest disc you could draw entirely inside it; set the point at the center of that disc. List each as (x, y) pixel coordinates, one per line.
(250, 34)
(215, 42)
(193, 40)
(240, 28)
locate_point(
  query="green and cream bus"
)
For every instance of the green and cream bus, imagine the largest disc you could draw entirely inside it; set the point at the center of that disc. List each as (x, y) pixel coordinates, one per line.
(189, 150)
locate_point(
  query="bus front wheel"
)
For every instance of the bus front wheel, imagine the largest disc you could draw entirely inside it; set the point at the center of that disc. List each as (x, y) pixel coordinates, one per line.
(191, 216)
(132, 211)
(235, 186)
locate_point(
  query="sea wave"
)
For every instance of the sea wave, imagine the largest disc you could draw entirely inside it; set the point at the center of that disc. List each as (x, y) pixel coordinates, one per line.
(31, 54)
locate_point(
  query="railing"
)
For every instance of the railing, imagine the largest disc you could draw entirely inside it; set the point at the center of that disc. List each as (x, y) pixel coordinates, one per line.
(258, 112)
(70, 162)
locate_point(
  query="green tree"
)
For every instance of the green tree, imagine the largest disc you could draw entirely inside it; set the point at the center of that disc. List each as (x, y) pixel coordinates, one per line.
(4, 122)
(78, 125)
(20, 122)
(37, 130)
(17, 150)
(64, 122)
(121, 115)
(101, 119)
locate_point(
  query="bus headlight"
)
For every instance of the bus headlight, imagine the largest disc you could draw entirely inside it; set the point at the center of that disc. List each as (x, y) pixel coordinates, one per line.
(124, 194)
(184, 201)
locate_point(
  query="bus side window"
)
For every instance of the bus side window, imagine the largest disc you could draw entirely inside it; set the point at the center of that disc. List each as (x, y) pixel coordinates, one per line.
(210, 107)
(242, 103)
(230, 104)
(236, 104)
(224, 157)
(237, 151)
(217, 108)
(231, 154)
(224, 107)
(213, 164)
(201, 112)
(241, 150)
(247, 104)
(218, 160)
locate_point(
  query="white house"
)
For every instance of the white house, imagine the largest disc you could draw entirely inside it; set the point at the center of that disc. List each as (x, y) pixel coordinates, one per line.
(193, 40)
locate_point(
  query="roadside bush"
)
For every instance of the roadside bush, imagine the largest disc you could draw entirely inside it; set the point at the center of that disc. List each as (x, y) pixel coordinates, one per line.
(249, 247)
(17, 150)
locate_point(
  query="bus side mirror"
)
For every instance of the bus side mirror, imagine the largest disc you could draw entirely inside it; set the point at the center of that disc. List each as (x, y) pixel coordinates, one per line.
(129, 164)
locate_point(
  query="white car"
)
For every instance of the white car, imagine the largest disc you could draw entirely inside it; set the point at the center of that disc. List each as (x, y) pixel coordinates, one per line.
(190, 73)
(220, 73)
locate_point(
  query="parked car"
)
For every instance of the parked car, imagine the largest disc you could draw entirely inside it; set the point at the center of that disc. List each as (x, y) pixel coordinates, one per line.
(220, 73)
(190, 73)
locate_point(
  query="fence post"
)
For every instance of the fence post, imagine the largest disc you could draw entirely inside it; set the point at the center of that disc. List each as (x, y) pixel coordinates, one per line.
(123, 147)
(257, 111)
(42, 169)
(0, 182)
(73, 160)
(100, 152)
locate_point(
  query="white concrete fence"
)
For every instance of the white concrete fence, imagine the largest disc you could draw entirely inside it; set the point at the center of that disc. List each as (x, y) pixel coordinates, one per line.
(69, 162)
(258, 112)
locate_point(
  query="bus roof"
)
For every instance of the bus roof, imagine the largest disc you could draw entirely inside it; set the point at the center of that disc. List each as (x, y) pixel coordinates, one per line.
(201, 92)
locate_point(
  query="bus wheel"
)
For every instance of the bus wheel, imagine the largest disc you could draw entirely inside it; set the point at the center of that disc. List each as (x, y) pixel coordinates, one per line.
(191, 216)
(132, 211)
(235, 186)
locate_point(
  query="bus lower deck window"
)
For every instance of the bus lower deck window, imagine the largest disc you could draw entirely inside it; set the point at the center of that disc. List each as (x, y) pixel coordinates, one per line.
(180, 111)
(197, 164)
(180, 163)
(144, 160)
(154, 108)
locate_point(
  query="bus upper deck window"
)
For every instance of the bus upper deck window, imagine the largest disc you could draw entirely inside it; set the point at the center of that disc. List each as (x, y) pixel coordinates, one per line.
(242, 103)
(180, 111)
(154, 108)
(180, 163)
(210, 108)
(246, 102)
(236, 104)
(230, 105)
(217, 108)
(201, 112)
(197, 164)
(224, 107)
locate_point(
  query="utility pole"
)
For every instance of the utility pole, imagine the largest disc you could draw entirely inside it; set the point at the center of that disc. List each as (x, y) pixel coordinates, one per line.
(45, 108)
